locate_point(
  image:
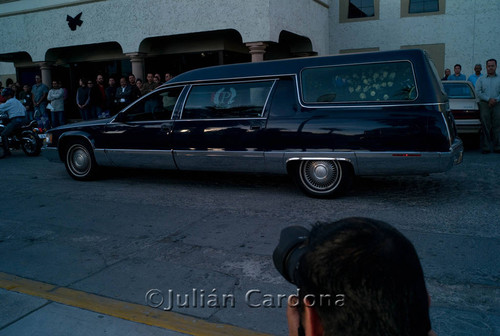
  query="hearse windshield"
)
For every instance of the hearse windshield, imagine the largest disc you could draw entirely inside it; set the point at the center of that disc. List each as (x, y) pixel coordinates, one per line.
(374, 82)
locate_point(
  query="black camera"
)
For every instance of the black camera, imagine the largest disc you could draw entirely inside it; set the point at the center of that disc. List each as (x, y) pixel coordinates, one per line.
(290, 249)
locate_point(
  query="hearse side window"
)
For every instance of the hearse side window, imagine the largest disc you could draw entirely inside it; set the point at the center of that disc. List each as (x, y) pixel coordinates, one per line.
(156, 106)
(228, 100)
(374, 82)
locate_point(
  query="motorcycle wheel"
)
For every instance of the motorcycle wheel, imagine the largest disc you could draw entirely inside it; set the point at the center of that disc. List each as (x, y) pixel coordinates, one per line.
(31, 144)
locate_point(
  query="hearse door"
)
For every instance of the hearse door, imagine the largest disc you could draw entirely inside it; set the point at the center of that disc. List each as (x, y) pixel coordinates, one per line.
(221, 125)
(141, 135)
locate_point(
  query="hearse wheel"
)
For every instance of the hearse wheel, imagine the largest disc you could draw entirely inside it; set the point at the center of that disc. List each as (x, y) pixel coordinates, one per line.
(79, 161)
(323, 178)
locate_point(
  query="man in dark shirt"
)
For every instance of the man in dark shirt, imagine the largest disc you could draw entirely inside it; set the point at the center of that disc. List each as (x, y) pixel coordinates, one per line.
(136, 93)
(124, 93)
(111, 96)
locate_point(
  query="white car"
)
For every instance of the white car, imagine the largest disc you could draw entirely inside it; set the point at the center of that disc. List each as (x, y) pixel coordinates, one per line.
(463, 105)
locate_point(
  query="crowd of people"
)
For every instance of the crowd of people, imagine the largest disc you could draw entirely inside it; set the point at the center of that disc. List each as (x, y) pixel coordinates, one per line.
(458, 75)
(94, 98)
(488, 94)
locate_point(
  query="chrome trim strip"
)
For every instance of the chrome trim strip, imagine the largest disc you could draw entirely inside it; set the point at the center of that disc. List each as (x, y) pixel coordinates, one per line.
(374, 105)
(318, 159)
(237, 81)
(225, 119)
(220, 160)
(140, 158)
(273, 76)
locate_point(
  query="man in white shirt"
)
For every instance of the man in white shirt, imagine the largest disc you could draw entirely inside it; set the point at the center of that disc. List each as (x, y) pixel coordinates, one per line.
(488, 91)
(56, 98)
(14, 111)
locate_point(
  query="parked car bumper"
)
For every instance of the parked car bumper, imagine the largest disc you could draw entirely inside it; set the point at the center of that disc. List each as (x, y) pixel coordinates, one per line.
(51, 153)
(468, 126)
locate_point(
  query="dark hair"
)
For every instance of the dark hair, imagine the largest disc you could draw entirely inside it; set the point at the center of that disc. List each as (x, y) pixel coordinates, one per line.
(458, 65)
(492, 60)
(378, 271)
(7, 92)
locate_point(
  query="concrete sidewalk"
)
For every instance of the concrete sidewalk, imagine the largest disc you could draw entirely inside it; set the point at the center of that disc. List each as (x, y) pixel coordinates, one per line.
(36, 308)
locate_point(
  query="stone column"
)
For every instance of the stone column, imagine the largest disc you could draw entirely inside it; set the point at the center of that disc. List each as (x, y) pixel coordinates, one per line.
(45, 69)
(257, 50)
(137, 60)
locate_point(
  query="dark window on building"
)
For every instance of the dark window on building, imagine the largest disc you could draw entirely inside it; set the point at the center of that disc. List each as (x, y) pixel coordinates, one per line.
(423, 6)
(361, 9)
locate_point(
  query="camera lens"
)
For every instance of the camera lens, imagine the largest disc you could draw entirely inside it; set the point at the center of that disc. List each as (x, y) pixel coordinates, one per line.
(287, 254)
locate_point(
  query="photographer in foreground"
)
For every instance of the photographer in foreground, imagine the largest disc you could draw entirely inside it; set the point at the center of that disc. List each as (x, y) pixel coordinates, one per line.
(371, 265)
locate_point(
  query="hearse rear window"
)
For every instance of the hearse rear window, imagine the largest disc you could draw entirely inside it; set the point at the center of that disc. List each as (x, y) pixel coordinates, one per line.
(374, 82)
(458, 90)
(228, 100)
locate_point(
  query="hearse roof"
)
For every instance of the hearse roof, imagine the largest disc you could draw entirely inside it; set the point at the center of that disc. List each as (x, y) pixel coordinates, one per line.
(291, 66)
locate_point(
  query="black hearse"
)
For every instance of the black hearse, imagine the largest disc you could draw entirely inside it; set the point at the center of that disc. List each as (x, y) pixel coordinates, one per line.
(320, 119)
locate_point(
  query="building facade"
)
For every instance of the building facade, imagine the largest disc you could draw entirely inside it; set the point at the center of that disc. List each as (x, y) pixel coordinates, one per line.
(452, 31)
(115, 37)
(120, 36)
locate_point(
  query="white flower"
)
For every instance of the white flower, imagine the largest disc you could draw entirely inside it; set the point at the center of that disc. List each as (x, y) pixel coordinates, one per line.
(372, 93)
(362, 95)
(351, 89)
(386, 96)
(390, 84)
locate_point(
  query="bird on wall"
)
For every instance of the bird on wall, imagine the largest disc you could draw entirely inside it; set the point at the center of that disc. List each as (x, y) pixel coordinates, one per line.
(73, 22)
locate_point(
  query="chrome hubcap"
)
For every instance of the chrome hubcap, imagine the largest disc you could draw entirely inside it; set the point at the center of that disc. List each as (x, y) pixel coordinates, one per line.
(320, 176)
(79, 161)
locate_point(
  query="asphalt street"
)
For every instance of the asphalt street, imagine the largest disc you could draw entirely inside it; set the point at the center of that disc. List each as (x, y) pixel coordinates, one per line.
(83, 257)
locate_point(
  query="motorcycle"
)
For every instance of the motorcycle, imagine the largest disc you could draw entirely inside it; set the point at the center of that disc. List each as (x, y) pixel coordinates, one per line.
(28, 137)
